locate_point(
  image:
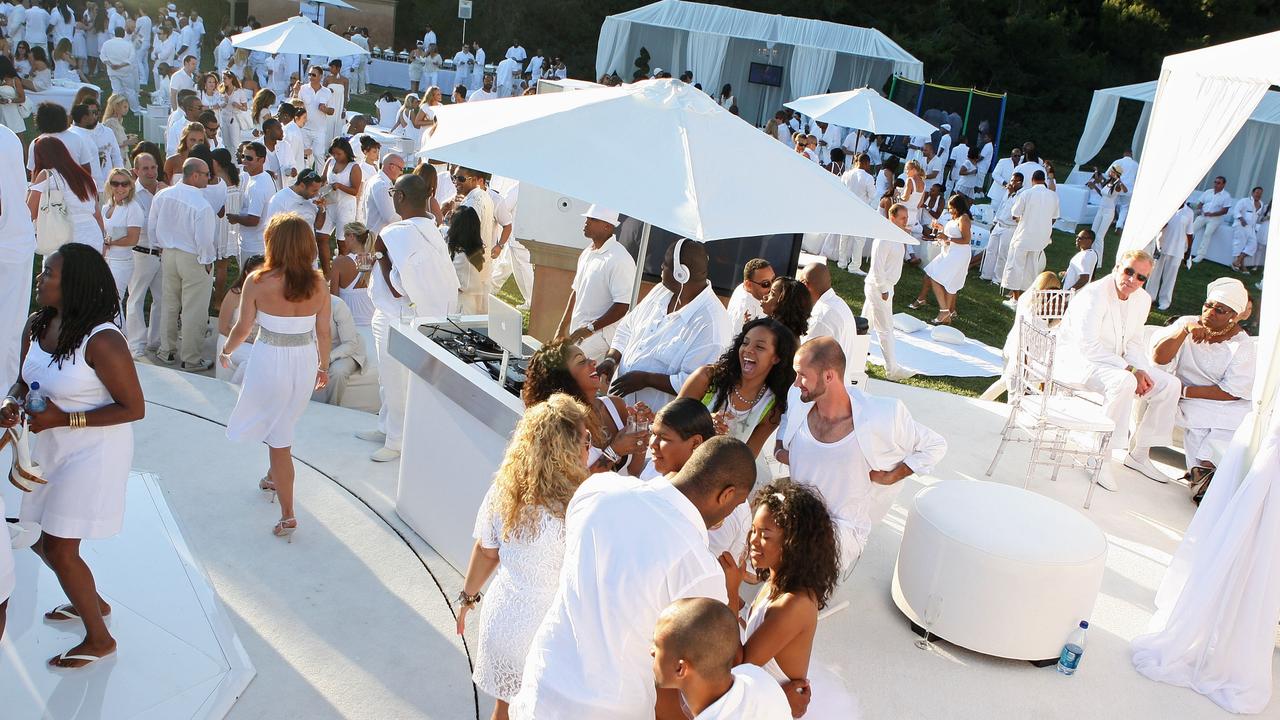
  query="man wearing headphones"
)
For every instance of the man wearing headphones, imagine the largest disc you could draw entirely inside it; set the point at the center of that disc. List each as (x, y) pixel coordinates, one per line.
(678, 327)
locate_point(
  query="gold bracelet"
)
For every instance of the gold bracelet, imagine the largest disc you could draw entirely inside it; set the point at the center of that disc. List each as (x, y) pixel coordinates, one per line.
(78, 420)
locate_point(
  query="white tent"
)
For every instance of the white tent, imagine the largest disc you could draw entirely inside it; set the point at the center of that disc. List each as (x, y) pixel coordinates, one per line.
(1217, 608)
(718, 44)
(862, 109)
(1248, 161)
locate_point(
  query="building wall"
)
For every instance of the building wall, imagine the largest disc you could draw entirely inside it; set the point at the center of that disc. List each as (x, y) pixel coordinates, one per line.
(377, 15)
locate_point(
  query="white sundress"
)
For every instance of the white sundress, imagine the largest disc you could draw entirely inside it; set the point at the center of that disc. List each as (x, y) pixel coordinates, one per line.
(518, 597)
(831, 699)
(950, 266)
(358, 299)
(341, 207)
(226, 238)
(278, 380)
(86, 469)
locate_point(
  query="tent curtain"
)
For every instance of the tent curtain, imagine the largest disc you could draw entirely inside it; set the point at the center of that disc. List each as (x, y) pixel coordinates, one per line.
(811, 70)
(705, 53)
(611, 53)
(1102, 117)
(1140, 131)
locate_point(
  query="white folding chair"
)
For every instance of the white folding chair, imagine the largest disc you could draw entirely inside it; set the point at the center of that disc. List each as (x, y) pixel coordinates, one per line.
(1053, 422)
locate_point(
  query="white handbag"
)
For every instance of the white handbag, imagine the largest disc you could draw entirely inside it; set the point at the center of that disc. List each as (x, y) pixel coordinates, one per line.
(53, 222)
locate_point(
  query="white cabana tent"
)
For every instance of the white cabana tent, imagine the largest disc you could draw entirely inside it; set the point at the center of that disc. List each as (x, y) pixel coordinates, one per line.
(719, 44)
(1248, 161)
(1217, 608)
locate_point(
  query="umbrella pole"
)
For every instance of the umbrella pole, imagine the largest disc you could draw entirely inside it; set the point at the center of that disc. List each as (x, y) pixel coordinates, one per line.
(641, 253)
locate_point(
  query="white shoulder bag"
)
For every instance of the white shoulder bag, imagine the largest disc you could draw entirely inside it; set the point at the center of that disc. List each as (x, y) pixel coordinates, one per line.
(53, 222)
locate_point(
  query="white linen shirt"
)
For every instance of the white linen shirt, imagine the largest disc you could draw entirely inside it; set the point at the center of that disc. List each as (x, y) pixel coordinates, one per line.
(604, 277)
(1215, 202)
(421, 270)
(673, 344)
(77, 146)
(743, 308)
(631, 549)
(1101, 329)
(1084, 262)
(1174, 235)
(312, 99)
(288, 200)
(1036, 208)
(886, 265)
(831, 317)
(17, 231)
(936, 166)
(754, 695)
(143, 198)
(379, 210)
(187, 220)
(257, 194)
(862, 185)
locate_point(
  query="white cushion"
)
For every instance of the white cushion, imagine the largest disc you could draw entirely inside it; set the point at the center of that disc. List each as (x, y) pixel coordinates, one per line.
(908, 323)
(1068, 412)
(949, 335)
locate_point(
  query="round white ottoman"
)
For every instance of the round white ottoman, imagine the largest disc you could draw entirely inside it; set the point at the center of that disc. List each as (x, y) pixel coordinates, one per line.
(997, 569)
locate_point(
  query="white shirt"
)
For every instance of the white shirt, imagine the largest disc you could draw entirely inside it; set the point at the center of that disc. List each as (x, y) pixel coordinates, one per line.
(1246, 212)
(673, 344)
(173, 130)
(754, 695)
(280, 162)
(506, 72)
(517, 53)
(1231, 365)
(1128, 172)
(535, 66)
(1003, 172)
(481, 201)
(379, 210)
(106, 153)
(944, 145)
(1082, 263)
(37, 25)
(118, 51)
(631, 549)
(288, 200)
(181, 219)
(297, 139)
(1101, 329)
(481, 94)
(1035, 209)
(180, 80)
(256, 195)
(79, 149)
(984, 163)
(1173, 238)
(312, 99)
(143, 197)
(886, 265)
(428, 39)
(743, 308)
(1211, 201)
(831, 317)
(222, 53)
(1028, 170)
(934, 167)
(421, 271)
(862, 185)
(17, 231)
(123, 217)
(604, 277)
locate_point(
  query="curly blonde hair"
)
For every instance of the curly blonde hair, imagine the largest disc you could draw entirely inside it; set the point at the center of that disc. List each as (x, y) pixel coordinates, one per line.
(543, 465)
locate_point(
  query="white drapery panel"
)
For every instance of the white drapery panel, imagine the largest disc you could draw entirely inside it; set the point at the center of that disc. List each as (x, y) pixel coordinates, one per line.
(1140, 131)
(1097, 127)
(611, 53)
(811, 70)
(705, 53)
(1200, 117)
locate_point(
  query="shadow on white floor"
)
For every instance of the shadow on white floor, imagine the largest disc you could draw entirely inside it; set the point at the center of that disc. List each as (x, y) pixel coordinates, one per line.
(178, 655)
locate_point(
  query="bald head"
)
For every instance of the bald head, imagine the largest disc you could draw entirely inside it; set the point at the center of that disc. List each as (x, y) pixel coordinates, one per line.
(702, 633)
(195, 172)
(718, 477)
(410, 196)
(817, 277)
(822, 354)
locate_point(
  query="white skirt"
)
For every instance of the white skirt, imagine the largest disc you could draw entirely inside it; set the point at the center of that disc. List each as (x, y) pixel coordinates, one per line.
(278, 382)
(86, 470)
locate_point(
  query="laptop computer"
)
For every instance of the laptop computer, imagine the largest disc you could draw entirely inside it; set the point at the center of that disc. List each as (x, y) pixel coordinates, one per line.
(506, 327)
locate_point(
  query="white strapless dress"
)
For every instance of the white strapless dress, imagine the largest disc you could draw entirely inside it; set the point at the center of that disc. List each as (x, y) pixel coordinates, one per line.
(831, 700)
(278, 380)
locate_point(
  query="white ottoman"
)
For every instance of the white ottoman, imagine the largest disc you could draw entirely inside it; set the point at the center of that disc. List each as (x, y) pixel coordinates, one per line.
(997, 569)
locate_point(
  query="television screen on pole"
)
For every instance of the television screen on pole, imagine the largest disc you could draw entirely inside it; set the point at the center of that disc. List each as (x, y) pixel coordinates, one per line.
(762, 74)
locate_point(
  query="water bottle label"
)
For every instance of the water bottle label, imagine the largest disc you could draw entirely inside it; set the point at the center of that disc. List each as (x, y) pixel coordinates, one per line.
(1070, 657)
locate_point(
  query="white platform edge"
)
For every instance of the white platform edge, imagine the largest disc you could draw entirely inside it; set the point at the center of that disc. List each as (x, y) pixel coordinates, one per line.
(241, 670)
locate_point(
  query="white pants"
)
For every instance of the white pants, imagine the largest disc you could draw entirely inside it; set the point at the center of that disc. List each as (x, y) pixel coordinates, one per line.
(1021, 269)
(1204, 229)
(1163, 277)
(122, 271)
(125, 84)
(1101, 223)
(1205, 444)
(996, 253)
(393, 383)
(1122, 212)
(879, 313)
(1156, 411)
(514, 260)
(1244, 241)
(851, 250)
(143, 331)
(15, 306)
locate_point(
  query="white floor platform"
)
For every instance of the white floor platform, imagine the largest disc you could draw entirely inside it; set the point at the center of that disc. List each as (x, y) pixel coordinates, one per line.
(179, 656)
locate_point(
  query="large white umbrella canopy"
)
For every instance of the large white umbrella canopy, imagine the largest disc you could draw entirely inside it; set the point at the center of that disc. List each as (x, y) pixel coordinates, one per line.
(862, 109)
(660, 151)
(333, 3)
(298, 35)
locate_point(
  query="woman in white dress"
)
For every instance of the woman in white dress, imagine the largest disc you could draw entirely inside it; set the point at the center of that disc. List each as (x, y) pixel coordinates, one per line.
(113, 114)
(726, 99)
(53, 164)
(793, 547)
(227, 236)
(425, 117)
(912, 196)
(12, 95)
(403, 125)
(342, 173)
(237, 121)
(946, 273)
(1107, 188)
(41, 77)
(83, 442)
(80, 43)
(124, 218)
(228, 314)
(211, 95)
(288, 300)
(65, 65)
(388, 109)
(350, 277)
(22, 58)
(466, 249)
(1215, 360)
(519, 534)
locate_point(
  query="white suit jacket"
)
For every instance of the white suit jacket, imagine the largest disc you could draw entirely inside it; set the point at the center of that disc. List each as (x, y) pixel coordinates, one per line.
(1101, 329)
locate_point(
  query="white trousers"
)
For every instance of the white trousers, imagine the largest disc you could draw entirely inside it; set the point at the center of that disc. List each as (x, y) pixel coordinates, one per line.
(126, 84)
(393, 383)
(122, 271)
(1122, 212)
(850, 250)
(1244, 241)
(1205, 444)
(514, 260)
(15, 306)
(996, 253)
(1204, 228)
(1155, 411)
(1021, 269)
(143, 330)
(1101, 223)
(1163, 277)
(879, 314)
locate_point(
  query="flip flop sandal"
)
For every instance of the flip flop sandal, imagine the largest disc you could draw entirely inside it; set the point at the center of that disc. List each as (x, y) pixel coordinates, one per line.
(88, 660)
(66, 613)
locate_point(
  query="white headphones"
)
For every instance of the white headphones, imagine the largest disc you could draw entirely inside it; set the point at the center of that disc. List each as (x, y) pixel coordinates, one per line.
(679, 271)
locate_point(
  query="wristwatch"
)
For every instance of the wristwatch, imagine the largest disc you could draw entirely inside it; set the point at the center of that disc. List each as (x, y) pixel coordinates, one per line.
(591, 327)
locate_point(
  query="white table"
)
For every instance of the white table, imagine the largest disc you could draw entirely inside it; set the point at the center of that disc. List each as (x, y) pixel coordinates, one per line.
(396, 74)
(63, 94)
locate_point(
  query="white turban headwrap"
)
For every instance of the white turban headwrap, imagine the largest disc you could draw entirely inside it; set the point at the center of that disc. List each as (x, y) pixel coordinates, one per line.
(1230, 292)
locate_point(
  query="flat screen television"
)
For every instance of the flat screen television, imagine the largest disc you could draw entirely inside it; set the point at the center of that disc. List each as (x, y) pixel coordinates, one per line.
(761, 74)
(726, 257)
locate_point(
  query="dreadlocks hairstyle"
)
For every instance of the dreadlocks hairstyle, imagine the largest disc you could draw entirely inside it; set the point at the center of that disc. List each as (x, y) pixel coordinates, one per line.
(810, 553)
(727, 371)
(89, 298)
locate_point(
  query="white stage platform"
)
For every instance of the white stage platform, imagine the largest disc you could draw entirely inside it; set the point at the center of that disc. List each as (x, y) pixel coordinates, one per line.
(178, 655)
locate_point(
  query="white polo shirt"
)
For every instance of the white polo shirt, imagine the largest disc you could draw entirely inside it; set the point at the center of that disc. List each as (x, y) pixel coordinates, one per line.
(631, 549)
(257, 193)
(605, 276)
(77, 146)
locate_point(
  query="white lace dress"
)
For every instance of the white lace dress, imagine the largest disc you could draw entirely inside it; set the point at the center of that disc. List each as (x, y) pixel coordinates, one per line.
(518, 597)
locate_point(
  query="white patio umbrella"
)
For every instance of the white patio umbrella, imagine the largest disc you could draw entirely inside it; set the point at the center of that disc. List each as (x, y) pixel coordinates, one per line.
(660, 151)
(298, 35)
(862, 109)
(305, 5)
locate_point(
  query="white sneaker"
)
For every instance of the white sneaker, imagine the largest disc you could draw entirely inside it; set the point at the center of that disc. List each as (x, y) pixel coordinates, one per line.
(1146, 467)
(857, 270)
(1107, 480)
(843, 265)
(376, 436)
(384, 454)
(899, 374)
(1010, 303)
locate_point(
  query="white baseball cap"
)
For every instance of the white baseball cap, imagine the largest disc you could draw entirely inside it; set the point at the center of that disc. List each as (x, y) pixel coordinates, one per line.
(946, 126)
(595, 212)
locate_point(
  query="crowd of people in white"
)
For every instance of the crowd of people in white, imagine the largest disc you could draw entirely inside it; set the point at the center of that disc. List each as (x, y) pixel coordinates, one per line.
(735, 432)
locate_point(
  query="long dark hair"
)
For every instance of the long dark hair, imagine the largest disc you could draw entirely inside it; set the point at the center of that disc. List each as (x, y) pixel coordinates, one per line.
(89, 298)
(251, 263)
(464, 235)
(7, 70)
(548, 374)
(727, 371)
(222, 158)
(961, 204)
(51, 154)
(794, 307)
(810, 551)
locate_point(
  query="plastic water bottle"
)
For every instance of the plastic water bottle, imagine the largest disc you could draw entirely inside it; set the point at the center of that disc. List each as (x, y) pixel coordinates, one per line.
(36, 401)
(1073, 650)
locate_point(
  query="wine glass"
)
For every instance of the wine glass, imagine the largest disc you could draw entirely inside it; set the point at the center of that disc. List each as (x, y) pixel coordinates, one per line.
(932, 612)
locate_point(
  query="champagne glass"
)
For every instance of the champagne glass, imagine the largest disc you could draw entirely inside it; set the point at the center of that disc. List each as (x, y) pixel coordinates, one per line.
(932, 612)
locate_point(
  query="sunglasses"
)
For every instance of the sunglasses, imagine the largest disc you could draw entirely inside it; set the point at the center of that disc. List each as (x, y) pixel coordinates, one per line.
(766, 284)
(1135, 274)
(120, 183)
(459, 178)
(1217, 309)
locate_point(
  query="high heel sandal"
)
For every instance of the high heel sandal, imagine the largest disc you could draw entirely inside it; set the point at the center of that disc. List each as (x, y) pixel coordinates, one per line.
(916, 305)
(285, 529)
(944, 317)
(266, 486)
